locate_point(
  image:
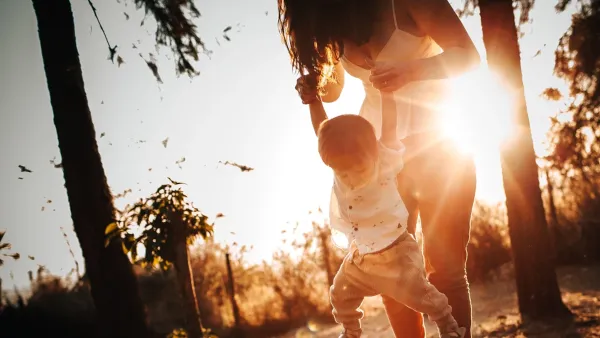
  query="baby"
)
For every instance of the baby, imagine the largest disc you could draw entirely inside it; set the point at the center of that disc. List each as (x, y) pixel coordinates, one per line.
(366, 207)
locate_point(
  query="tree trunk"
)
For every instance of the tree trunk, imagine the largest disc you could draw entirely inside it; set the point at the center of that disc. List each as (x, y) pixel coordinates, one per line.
(537, 288)
(185, 277)
(113, 284)
(551, 202)
(556, 240)
(234, 305)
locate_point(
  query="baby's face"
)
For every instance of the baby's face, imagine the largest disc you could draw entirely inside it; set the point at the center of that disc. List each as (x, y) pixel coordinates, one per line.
(357, 174)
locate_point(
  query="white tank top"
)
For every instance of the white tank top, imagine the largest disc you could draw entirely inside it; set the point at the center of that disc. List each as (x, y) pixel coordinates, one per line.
(418, 103)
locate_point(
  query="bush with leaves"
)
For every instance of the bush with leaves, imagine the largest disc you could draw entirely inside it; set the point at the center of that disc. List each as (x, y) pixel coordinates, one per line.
(165, 224)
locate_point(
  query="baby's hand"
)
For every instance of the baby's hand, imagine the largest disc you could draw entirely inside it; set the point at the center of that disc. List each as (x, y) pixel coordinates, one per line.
(306, 86)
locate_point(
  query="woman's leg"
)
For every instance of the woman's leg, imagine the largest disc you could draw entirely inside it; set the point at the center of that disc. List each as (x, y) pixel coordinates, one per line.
(446, 182)
(405, 322)
(439, 183)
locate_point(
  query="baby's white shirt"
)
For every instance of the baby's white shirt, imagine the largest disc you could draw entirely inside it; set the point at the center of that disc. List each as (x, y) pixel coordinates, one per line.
(372, 216)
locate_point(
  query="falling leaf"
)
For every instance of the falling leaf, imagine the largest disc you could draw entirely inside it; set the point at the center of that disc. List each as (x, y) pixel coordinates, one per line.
(43, 208)
(152, 65)
(120, 61)
(102, 135)
(49, 201)
(20, 178)
(56, 165)
(126, 16)
(219, 215)
(31, 257)
(165, 141)
(102, 102)
(175, 182)
(227, 29)
(226, 37)
(240, 166)
(24, 169)
(232, 232)
(538, 53)
(266, 13)
(552, 94)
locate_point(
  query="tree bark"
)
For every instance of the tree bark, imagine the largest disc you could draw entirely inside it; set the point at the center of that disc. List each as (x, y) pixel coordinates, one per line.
(113, 284)
(234, 305)
(537, 287)
(185, 277)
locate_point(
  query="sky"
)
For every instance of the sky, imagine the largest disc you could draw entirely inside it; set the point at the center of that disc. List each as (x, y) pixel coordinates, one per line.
(242, 108)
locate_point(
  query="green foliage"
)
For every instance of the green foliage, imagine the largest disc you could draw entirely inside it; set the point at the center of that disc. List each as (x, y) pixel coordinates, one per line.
(150, 222)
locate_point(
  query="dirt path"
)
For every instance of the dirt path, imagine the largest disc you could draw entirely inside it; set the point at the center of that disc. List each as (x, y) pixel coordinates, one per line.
(495, 311)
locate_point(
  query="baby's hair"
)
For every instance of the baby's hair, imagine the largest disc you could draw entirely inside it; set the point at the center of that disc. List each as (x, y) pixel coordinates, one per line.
(346, 136)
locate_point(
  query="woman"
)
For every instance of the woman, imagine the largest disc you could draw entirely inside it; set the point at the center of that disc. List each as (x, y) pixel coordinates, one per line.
(411, 48)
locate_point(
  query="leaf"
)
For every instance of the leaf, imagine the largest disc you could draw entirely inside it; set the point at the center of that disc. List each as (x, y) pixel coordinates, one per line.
(175, 182)
(227, 29)
(120, 61)
(15, 256)
(552, 94)
(5, 246)
(24, 169)
(110, 228)
(153, 68)
(240, 166)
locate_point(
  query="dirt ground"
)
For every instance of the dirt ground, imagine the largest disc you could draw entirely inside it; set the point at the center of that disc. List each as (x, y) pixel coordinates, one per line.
(495, 311)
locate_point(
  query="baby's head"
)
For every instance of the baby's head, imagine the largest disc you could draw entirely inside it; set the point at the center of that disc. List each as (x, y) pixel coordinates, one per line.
(347, 144)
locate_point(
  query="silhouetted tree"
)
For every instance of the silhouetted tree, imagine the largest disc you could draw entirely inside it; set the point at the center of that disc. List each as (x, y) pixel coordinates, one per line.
(537, 287)
(113, 284)
(578, 61)
(169, 223)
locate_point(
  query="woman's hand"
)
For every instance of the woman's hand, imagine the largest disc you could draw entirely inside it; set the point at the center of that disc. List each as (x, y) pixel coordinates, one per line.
(306, 86)
(390, 76)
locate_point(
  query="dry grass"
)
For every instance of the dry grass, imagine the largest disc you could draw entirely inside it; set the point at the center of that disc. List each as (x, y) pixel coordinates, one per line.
(273, 298)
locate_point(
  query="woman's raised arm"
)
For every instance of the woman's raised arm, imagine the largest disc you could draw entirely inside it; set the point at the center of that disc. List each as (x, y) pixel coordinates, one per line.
(333, 89)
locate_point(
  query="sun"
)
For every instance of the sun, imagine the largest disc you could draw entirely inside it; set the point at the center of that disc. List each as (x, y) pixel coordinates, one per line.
(478, 114)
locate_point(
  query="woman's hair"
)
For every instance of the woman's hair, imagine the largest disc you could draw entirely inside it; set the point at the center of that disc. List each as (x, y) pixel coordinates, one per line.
(314, 32)
(346, 136)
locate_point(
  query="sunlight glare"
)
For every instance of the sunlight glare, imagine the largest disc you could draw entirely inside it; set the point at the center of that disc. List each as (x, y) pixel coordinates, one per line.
(477, 116)
(339, 239)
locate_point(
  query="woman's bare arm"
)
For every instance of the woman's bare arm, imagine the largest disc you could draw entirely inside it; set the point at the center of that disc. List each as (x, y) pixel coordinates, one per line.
(333, 90)
(438, 19)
